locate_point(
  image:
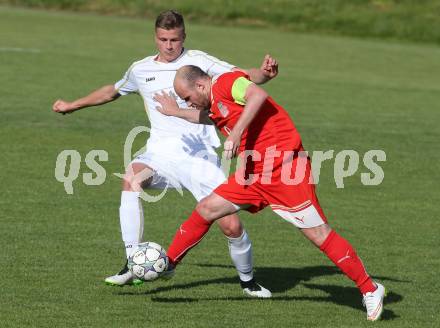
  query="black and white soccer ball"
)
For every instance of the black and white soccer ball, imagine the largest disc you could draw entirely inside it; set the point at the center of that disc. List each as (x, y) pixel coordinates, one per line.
(148, 261)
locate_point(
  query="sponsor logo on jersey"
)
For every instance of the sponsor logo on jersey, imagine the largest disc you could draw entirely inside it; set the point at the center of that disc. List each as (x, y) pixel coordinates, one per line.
(223, 109)
(148, 79)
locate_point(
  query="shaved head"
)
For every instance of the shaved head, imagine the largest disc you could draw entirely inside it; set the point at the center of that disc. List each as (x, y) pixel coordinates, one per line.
(194, 86)
(189, 75)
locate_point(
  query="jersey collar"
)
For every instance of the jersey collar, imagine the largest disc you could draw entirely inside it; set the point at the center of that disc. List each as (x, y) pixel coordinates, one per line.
(155, 59)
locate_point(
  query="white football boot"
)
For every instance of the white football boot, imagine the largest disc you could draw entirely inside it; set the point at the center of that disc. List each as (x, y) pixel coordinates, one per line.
(373, 302)
(251, 288)
(123, 278)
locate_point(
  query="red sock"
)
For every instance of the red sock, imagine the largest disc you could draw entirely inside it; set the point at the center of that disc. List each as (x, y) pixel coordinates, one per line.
(189, 235)
(341, 253)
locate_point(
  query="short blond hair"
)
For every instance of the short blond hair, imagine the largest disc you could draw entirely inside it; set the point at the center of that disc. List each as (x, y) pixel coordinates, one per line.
(169, 20)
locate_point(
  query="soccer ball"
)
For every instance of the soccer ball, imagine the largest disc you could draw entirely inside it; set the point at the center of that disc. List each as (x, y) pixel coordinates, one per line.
(148, 261)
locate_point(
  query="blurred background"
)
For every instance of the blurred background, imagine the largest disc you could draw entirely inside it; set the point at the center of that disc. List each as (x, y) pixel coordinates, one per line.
(415, 20)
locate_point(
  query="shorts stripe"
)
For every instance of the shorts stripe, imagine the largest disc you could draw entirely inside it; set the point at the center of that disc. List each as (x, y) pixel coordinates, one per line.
(305, 218)
(291, 209)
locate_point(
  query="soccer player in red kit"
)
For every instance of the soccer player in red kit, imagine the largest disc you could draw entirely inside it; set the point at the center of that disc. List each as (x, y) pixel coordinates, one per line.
(275, 171)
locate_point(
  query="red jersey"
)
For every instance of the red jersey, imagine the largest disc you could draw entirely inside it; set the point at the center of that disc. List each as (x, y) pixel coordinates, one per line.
(271, 127)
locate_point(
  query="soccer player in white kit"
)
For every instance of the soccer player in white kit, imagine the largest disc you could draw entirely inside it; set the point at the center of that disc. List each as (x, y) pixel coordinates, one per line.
(178, 153)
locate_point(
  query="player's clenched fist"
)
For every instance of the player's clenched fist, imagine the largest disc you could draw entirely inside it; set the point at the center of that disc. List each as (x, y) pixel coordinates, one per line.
(63, 107)
(231, 145)
(269, 67)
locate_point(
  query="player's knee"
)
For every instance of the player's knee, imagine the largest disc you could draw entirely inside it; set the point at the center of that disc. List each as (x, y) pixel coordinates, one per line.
(206, 209)
(135, 182)
(129, 183)
(317, 235)
(126, 182)
(231, 226)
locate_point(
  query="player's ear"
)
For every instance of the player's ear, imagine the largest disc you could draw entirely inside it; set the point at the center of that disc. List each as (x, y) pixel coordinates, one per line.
(199, 85)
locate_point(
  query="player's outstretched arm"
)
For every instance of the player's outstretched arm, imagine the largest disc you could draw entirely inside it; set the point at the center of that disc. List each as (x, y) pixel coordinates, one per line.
(100, 96)
(171, 108)
(267, 71)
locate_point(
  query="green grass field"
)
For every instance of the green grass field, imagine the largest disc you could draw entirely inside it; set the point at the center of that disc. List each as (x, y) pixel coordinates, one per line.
(342, 93)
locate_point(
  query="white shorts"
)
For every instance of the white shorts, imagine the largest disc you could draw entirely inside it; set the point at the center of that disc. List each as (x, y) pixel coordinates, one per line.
(183, 163)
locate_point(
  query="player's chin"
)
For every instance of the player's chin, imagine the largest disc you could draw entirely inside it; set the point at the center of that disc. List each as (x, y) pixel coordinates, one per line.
(172, 55)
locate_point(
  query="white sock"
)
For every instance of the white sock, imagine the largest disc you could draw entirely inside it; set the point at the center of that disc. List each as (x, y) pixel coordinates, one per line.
(240, 249)
(131, 217)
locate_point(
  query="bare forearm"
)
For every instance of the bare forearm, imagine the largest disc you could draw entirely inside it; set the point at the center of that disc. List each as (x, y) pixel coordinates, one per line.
(193, 116)
(257, 76)
(98, 97)
(253, 105)
(101, 96)
(255, 98)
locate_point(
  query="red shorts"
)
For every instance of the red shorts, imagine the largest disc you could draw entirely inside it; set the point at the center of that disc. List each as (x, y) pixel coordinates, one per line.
(290, 192)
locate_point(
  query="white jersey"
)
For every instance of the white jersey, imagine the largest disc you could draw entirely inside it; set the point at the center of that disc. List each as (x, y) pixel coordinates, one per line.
(148, 76)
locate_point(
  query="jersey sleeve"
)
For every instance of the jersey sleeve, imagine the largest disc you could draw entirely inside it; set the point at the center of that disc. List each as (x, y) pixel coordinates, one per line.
(127, 84)
(233, 86)
(210, 64)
